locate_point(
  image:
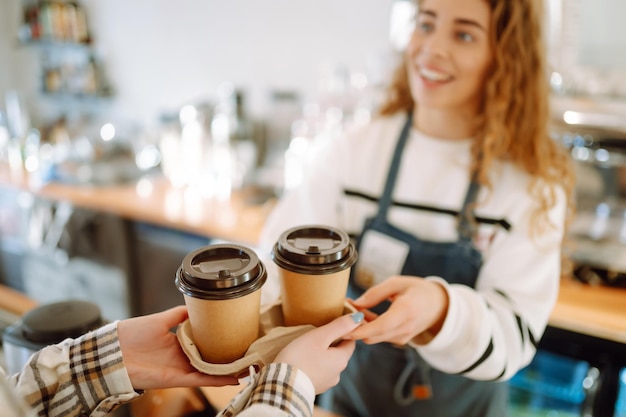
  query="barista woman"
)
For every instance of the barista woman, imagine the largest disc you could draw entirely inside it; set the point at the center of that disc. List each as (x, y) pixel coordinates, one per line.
(458, 200)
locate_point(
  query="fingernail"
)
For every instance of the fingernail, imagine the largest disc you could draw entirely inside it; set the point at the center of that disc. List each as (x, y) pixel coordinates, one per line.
(357, 317)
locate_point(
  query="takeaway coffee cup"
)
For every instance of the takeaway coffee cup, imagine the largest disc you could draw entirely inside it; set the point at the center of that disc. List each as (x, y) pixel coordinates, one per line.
(221, 286)
(314, 267)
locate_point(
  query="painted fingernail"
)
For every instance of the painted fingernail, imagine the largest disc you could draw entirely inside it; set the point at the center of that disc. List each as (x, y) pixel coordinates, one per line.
(357, 317)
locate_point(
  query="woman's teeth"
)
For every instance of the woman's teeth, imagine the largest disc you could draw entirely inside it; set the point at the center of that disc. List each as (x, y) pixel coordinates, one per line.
(433, 75)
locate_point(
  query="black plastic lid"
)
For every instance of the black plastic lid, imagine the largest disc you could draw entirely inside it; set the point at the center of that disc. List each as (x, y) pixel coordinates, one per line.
(52, 323)
(314, 249)
(220, 271)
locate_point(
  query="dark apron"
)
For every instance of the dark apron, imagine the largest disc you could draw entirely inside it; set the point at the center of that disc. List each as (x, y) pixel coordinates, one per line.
(383, 380)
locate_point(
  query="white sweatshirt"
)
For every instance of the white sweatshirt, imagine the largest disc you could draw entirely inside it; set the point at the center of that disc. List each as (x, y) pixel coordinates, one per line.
(492, 329)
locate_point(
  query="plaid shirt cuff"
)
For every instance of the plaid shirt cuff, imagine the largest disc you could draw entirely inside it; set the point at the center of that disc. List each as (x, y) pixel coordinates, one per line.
(85, 376)
(286, 388)
(98, 369)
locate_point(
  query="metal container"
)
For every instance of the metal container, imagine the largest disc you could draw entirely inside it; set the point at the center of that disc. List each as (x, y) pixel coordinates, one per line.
(46, 325)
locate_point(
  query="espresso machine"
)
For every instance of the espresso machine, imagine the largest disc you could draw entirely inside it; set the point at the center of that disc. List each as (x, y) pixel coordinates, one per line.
(597, 235)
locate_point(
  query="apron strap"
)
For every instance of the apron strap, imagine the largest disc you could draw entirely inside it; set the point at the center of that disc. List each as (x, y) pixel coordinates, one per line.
(386, 198)
(413, 384)
(467, 224)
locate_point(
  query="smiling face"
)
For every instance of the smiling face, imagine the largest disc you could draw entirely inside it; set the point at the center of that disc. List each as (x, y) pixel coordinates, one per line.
(449, 55)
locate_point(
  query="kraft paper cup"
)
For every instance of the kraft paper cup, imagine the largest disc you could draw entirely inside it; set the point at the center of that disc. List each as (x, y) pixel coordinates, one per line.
(314, 267)
(221, 287)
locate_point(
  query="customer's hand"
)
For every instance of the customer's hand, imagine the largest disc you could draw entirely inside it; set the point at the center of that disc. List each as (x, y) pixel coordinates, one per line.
(417, 312)
(153, 357)
(322, 353)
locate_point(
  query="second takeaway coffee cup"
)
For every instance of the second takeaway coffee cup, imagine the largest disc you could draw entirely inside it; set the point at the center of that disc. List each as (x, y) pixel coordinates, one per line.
(221, 286)
(314, 267)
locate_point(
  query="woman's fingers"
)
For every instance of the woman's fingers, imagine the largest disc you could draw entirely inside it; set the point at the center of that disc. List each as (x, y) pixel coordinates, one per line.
(339, 328)
(378, 330)
(384, 291)
(174, 316)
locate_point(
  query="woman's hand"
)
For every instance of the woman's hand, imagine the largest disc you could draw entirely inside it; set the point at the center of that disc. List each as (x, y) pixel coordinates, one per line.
(417, 312)
(153, 356)
(322, 353)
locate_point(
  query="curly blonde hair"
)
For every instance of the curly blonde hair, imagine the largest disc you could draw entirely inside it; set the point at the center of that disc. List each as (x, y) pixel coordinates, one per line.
(515, 113)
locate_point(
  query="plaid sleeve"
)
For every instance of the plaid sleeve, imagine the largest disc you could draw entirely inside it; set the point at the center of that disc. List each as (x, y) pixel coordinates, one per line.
(278, 389)
(85, 376)
(284, 387)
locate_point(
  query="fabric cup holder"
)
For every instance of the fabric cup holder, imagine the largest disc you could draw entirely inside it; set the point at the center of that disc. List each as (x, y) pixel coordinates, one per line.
(274, 336)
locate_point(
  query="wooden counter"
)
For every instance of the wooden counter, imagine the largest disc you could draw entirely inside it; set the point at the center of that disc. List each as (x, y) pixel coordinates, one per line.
(154, 200)
(14, 301)
(597, 311)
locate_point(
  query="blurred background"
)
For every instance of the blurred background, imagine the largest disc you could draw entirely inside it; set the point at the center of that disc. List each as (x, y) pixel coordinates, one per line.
(132, 132)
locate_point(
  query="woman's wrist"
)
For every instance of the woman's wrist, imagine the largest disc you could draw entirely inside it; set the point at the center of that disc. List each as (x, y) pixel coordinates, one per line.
(443, 301)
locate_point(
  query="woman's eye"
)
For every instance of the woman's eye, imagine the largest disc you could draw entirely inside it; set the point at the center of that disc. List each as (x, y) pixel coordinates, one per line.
(425, 27)
(465, 37)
